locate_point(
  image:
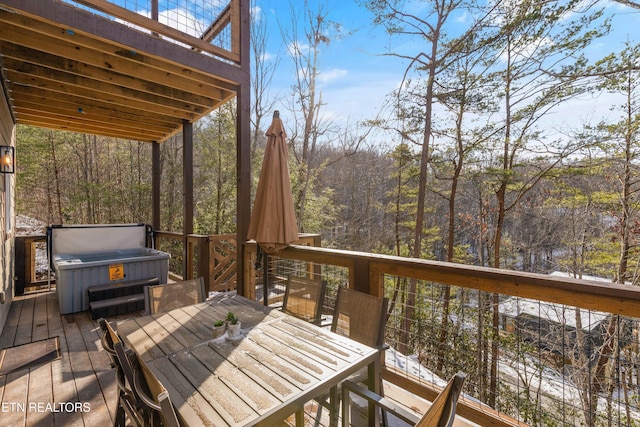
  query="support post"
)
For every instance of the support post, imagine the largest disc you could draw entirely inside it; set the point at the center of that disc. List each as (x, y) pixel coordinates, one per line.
(155, 186)
(187, 190)
(243, 144)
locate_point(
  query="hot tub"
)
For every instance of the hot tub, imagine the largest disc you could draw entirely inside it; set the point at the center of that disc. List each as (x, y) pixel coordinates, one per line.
(91, 255)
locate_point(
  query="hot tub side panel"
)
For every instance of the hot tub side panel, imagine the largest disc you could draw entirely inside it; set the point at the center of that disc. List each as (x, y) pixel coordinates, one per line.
(72, 281)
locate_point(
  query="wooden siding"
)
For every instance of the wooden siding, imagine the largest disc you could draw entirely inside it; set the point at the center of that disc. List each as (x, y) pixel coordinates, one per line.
(7, 183)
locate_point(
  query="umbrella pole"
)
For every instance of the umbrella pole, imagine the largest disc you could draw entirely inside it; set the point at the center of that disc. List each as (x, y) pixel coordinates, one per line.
(265, 278)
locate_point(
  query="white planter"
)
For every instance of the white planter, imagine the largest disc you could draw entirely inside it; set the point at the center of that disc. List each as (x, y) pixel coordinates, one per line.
(233, 331)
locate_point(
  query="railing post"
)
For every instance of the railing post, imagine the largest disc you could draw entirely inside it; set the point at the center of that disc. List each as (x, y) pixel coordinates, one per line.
(204, 261)
(376, 280)
(21, 264)
(188, 257)
(360, 276)
(249, 283)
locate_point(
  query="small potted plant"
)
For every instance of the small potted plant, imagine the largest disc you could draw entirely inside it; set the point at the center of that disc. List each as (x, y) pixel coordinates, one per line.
(233, 326)
(218, 329)
(229, 318)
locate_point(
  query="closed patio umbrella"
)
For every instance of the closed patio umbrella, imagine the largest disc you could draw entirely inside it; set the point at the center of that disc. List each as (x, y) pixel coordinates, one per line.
(273, 221)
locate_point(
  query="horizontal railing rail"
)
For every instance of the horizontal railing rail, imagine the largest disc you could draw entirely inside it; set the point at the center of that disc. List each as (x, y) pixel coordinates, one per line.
(366, 273)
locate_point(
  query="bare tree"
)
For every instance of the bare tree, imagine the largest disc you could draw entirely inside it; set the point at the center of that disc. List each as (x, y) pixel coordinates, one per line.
(311, 132)
(264, 66)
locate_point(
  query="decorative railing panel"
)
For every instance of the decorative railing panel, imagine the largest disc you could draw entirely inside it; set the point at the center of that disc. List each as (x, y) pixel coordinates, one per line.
(209, 26)
(223, 262)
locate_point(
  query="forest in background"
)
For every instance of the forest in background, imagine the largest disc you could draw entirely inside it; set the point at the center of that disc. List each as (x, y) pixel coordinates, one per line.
(456, 168)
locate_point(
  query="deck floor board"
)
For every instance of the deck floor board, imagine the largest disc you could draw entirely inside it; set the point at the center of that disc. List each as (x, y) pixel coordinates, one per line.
(24, 329)
(78, 389)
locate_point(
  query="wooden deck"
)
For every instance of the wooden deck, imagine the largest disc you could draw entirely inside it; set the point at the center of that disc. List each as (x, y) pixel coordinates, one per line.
(48, 395)
(82, 377)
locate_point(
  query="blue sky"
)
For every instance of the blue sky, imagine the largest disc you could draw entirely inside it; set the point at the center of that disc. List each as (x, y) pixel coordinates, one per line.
(356, 76)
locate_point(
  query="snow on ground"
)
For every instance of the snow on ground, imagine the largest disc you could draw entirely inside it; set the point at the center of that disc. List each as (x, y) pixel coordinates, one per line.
(554, 387)
(27, 226)
(410, 364)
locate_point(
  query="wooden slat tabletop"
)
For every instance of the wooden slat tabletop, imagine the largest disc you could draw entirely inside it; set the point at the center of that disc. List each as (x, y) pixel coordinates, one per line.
(278, 364)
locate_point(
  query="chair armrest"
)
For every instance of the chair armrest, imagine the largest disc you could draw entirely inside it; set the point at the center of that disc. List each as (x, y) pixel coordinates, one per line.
(142, 393)
(382, 402)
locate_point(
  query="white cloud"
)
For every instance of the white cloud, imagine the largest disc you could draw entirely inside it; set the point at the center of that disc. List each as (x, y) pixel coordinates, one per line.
(256, 14)
(332, 75)
(523, 51)
(463, 18)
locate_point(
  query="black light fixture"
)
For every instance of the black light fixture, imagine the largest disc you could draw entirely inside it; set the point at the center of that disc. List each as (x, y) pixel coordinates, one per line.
(7, 159)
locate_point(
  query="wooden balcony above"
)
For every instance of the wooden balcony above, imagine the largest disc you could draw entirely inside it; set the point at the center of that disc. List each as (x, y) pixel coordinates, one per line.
(101, 69)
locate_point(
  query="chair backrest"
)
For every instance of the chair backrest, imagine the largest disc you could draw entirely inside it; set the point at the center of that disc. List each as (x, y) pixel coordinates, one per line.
(303, 298)
(115, 348)
(152, 393)
(442, 411)
(359, 316)
(165, 297)
(107, 339)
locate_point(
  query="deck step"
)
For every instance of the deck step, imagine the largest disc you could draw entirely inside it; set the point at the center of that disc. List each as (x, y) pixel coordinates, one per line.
(111, 290)
(115, 306)
(113, 299)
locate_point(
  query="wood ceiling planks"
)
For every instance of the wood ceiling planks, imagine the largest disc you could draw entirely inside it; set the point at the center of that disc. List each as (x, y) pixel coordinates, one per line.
(70, 79)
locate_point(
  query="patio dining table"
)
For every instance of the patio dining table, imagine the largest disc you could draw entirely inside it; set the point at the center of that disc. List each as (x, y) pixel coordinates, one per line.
(259, 379)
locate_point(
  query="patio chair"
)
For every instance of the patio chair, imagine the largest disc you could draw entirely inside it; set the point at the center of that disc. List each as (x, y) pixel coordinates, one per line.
(303, 298)
(127, 406)
(441, 413)
(361, 317)
(165, 297)
(152, 394)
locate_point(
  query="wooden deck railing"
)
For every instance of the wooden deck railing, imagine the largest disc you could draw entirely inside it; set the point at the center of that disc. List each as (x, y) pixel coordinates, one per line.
(214, 258)
(370, 272)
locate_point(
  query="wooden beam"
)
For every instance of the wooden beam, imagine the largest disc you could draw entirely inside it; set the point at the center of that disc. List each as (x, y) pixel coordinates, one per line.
(112, 94)
(187, 190)
(110, 117)
(243, 139)
(92, 108)
(85, 49)
(36, 63)
(114, 101)
(93, 121)
(74, 126)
